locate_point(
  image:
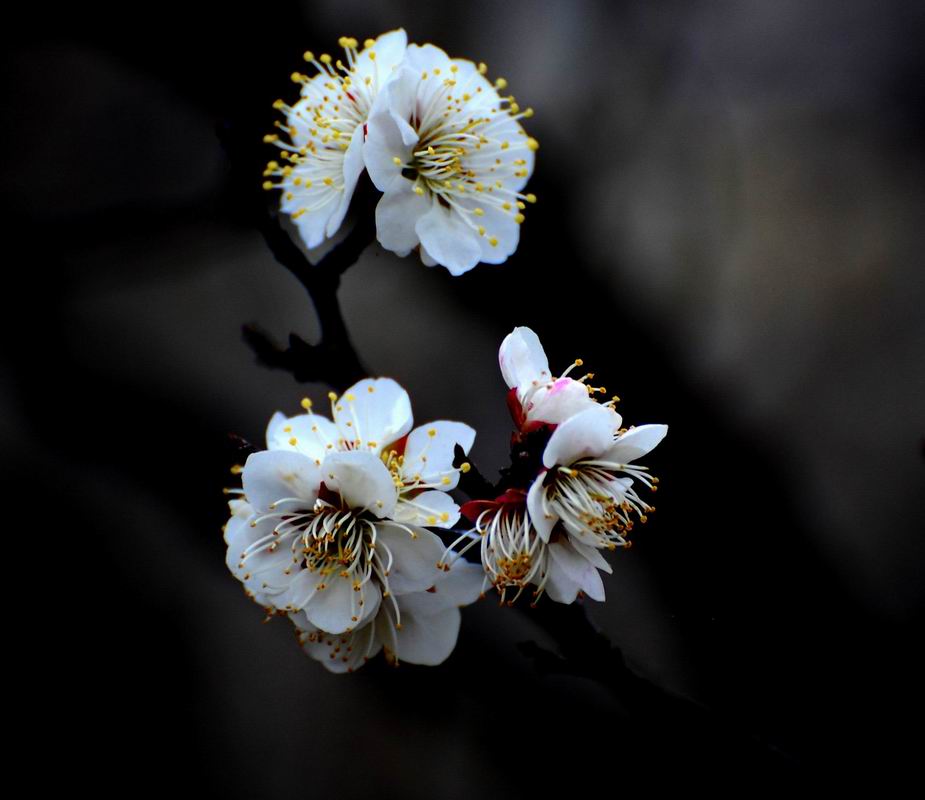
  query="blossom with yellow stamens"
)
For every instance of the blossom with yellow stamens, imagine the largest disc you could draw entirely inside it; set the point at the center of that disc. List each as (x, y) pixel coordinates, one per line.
(447, 150)
(422, 628)
(536, 397)
(374, 416)
(572, 492)
(321, 138)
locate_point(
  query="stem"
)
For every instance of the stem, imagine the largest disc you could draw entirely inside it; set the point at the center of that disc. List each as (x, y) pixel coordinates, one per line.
(333, 359)
(585, 652)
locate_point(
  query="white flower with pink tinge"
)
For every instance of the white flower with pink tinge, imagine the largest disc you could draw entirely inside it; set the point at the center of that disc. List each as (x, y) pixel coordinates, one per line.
(451, 158)
(321, 146)
(536, 397)
(549, 532)
(421, 628)
(585, 500)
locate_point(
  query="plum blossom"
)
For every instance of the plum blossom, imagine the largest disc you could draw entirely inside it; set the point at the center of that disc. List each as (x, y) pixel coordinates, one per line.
(374, 416)
(536, 397)
(587, 485)
(321, 139)
(421, 628)
(331, 521)
(585, 500)
(514, 556)
(448, 152)
(573, 491)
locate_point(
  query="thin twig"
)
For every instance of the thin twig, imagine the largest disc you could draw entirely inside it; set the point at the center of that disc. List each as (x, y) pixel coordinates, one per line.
(333, 359)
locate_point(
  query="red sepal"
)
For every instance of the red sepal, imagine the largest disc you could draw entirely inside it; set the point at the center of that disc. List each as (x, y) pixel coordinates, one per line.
(516, 408)
(512, 497)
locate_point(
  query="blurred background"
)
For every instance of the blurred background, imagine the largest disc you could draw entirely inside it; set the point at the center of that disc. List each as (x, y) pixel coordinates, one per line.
(728, 232)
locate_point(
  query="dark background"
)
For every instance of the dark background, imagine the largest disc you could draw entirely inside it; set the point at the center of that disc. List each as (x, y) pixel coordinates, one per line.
(728, 232)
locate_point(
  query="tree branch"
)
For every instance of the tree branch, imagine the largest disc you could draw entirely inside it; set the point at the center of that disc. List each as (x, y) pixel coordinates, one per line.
(585, 652)
(333, 359)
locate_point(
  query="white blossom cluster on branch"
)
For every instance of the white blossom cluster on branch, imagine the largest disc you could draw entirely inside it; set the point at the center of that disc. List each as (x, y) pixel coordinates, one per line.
(342, 522)
(441, 142)
(332, 524)
(331, 528)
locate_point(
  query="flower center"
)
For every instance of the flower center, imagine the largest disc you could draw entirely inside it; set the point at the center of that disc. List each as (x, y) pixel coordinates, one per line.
(329, 539)
(338, 542)
(468, 148)
(592, 501)
(512, 552)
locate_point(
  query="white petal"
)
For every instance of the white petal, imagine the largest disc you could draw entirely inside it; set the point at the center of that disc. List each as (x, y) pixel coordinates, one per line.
(362, 480)
(577, 568)
(271, 475)
(636, 443)
(522, 359)
(352, 169)
(432, 508)
(314, 435)
(592, 554)
(396, 215)
(383, 145)
(448, 239)
(460, 586)
(593, 586)
(430, 450)
(559, 585)
(390, 52)
(266, 561)
(304, 594)
(302, 588)
(429, 639)
(426, 259)
(336, 608)
(424, 58)
(388, 134)
(588, 433)
(414, 560)
(501, 229)
(238, 536)
(556, 402)
(344, 652)
(543, 520)
(374, 410)
(310, 224)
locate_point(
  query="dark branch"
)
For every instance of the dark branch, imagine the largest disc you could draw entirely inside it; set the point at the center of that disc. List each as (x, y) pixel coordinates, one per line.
(473, 483)
(585, 652)
(333, 359)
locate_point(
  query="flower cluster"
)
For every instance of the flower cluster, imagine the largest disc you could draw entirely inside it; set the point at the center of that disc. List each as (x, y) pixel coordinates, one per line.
(336, 522)
(441, 142)
(577, 495)
(332, 523)
(330, 529)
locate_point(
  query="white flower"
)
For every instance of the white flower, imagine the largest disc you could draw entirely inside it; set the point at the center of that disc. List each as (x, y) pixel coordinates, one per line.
(323, 134)
(585, 500)
(421, 628)
(548, 532)
(536, 397)
(374, 416)
(331, 525)
(451, 158)
(514, 556)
